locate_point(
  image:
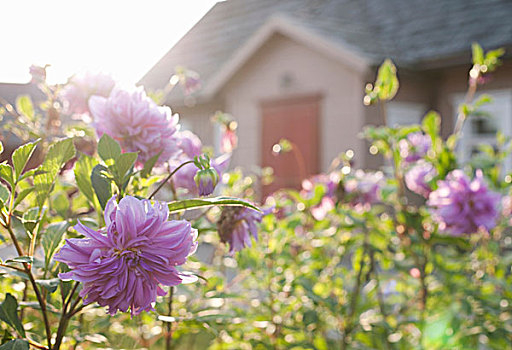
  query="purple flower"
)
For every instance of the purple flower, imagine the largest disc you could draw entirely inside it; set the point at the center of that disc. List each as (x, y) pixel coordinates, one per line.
(362, 189)
(414, 147)
(461, 205)
(189, 143)
(236, 226)
(137, 123)
(418, 177)
(191, 146)
(80, 88)
(206, 180)
(124, 265)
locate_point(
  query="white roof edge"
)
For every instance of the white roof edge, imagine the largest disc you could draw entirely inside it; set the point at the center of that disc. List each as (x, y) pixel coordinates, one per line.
(279, 24)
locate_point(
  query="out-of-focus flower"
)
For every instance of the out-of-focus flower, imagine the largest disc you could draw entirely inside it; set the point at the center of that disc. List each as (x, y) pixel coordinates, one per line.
(236, 226)
(38, 73)
(330, 183)
(414, 147)
(79, 88)
(189, 143)
(461, 205)
(191, 147)
(418, 177)
(137, 123)
(229, 139)
(188, 79)
(124, 265)
(506, 208)
(362, 189)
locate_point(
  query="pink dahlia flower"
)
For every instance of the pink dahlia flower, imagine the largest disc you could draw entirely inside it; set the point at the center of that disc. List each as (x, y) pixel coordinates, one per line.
(80, 88)
(461, 205)
(418, 177)
(124, 265)
(137, 123)
(414, 147)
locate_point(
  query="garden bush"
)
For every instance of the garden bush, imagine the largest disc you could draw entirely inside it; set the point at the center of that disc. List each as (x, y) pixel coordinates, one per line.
(115, 239)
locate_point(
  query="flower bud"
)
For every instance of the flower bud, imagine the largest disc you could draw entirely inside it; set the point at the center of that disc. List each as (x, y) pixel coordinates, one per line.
(206, 180)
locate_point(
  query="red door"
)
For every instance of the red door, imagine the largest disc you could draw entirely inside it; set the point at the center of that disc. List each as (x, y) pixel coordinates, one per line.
(297, 120)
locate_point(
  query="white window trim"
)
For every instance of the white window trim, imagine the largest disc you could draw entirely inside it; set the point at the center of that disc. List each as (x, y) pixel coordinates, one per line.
(401, 113)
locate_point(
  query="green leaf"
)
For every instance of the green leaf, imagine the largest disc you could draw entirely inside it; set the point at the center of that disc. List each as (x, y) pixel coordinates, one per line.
(83, 171)
(51, 284)
(20, 260)
(387, 82)
(58, 154)
(16, 344)
(208, 202)
(30, 219)
(21, 196)
(9, 314)
(478, 54)
(431, 124)
(24, 106)
(6, 173)
(21, 156)
(101, 184)
(148, 167)
(4, 194)
(60, 203)
(108, 149)
(1, 147)
(123, 164)
(52, 238)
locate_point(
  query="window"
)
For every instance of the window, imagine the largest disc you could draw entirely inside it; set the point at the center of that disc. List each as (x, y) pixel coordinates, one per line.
(482, 129)
(404, 113)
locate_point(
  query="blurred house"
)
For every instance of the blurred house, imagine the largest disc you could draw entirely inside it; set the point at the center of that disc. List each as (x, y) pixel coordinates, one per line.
(8, 95)
(297, 70)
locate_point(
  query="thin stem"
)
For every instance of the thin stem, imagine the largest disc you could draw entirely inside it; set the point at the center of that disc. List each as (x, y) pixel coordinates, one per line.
(300, 160)
(382, 111)
(355, 295)
(37, 345)
(461, 116)
(168, 178)
(12, 267)
(39, 297)
(380, 297)
(168, 325)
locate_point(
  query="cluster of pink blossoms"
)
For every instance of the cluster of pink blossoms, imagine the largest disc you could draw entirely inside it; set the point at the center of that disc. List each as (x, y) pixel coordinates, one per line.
(330, 183)
(363, 189)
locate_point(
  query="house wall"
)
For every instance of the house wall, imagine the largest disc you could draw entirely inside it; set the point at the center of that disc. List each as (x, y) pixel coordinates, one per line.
(284, 68)
(197, 118)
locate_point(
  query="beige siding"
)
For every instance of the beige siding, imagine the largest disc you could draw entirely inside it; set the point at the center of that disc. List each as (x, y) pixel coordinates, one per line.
(284, 68)
(197, 118)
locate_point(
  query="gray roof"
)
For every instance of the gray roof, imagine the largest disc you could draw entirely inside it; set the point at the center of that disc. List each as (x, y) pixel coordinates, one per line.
(10, 91)
(414, 33)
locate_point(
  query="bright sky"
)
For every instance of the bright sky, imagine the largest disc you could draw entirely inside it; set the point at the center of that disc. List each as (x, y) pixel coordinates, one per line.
(122, 38)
